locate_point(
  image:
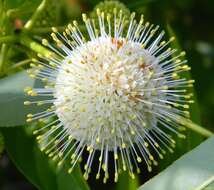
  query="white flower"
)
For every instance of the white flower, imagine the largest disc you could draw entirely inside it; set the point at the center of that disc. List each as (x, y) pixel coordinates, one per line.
(118, 91)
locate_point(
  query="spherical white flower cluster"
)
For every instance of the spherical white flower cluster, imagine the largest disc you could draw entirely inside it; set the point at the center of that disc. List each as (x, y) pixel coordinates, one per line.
(118, 91)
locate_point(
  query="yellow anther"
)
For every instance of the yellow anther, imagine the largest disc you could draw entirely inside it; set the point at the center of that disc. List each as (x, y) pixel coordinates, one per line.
(177, 61)
(54, 158)
(29, 115)
(147, 24)
(75, 23)
(108, 17)
(183, 53)
(160, 156)
(151, 157)
(115, 156)
(149, 168)
(162, 43)
(27, 103)
(139, 159)
(104, 167)
(156, 144)
(29, 120)
(165, 87)
(186, 106)
(155, 162)
(132, 132)
(54, 29)
(171, 150)
(172, 39)
(42, 149)
(133, 15)
(45, 42)
(70, 170)
(39, 137)
(181, 136)
(88, 148)
(123, 145)
(97, 139)
(97, 176)
(32, 75)
(35, 132)
(146, 144)
(73, 156)
(39, 103)
(60, 163)
(104, 180)
(98, 12)
(85, 167)
(132, 175)
(191, 81)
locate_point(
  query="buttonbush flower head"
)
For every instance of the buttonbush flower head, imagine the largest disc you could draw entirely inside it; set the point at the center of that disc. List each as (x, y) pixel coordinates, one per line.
(113, 93)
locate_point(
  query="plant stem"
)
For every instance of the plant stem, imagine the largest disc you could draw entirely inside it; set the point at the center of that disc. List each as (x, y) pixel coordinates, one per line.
(3, 53)
(8, 39)
(17, 65)
(36, 47)
(195, 127)
(47, 29)
(36, 14)
(199, 129)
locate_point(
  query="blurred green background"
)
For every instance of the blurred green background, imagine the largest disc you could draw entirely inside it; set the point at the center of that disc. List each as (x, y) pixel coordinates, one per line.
(191, 20)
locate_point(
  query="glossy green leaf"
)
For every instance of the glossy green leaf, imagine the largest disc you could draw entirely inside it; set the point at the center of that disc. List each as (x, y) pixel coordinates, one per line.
(192, 138)
(209, 186)
(12, 96)
(190, 172)
(125, 182)
(35, 165)
(1, 143)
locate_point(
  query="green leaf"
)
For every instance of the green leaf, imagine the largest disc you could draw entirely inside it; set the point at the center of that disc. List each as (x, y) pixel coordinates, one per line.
(139, 3)
(210, 186)
(12, 96)
(35, 165)
(190, 172)
(1, 143)
(192, 138)
(125, 182)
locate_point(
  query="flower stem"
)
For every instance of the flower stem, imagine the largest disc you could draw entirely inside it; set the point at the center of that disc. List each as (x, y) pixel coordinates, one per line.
(3, 53)
(8, 39)
(36, 14)
(17, 65)
(44, 30)
(195, 127)
(199, 129)
(36, 47)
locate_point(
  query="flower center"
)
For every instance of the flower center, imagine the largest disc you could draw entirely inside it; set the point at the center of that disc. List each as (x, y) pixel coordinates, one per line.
(100, 86)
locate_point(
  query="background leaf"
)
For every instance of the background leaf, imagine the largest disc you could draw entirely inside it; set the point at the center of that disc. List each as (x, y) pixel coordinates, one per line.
(126, 182)
(36, 166)
(1, 144)
(189, 172)
(12, 96)
(192, 138)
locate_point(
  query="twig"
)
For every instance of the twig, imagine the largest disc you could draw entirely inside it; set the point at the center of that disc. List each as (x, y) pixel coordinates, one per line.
(47, 30)
(195, 127)
(17, 65)
(36, 47)
(3, 53)
(39, 10)
(8, 39)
